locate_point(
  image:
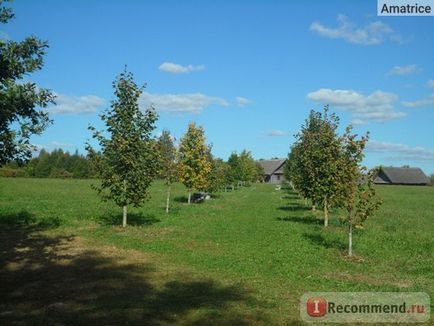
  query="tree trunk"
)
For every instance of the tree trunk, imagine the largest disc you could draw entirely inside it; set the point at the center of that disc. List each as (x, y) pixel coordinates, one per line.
(313, 208)
(350, 237)
(168, 199)
(326, 212)
(189, 196)
(124, 216)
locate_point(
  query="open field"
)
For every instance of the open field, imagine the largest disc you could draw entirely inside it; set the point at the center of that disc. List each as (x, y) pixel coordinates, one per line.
(244, 257)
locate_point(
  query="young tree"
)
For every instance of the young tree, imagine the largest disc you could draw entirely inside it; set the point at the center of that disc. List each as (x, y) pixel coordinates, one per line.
(127, 164)
(167, 153)
(20, 102)
(243, 167)
(318, 150)
(356, 192)
(193, 160)
(218, 176)
(234, 172)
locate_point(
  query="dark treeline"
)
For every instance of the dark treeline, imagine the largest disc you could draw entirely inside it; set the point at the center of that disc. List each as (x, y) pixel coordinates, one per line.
(55, 164)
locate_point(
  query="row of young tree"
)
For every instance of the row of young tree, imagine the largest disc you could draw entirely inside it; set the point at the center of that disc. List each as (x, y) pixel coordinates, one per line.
(326, 168)
(129, 158)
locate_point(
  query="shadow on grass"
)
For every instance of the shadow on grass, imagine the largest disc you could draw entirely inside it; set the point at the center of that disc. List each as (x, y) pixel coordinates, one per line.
(59, 280)
(319, 240)
(25, 219)
(136, 219)
(291, 196)
(294, 208)
(180, 199)
(304, 220)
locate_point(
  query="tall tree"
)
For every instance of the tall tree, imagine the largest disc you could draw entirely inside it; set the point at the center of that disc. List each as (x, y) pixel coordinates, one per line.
(168, 170)
(127, 164)
(194, 162)
(20, 102)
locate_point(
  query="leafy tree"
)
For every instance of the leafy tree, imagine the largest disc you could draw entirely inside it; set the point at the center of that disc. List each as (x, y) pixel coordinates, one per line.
(168, 168)
(20, 102)
(234, 172)
(294, 171)
(317, 153)
(259, 172)
(194, 162)
(218, 176)
(356, 192)
(126, 165)
(243, 168)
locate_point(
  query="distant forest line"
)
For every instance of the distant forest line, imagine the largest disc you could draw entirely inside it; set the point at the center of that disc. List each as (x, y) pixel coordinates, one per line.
(55, 164)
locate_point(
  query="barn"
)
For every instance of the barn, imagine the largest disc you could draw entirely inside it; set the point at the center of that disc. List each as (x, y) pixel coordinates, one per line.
(401, 176)
(273, 170)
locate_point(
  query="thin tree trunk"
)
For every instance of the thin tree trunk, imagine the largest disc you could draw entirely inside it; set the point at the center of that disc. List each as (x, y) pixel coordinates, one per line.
(189, 196)
(313, 208)
(124, 216)
(350, 238)
(326, 212)
(168, 199)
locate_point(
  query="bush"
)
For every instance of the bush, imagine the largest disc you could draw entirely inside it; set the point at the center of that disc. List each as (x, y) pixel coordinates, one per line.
(12, 173)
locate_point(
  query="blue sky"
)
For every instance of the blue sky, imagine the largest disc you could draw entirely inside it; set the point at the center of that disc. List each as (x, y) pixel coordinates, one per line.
(247, 71)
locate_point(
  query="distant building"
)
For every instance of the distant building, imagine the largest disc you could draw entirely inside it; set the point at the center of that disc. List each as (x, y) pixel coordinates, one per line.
(401, 176)
(273, 170)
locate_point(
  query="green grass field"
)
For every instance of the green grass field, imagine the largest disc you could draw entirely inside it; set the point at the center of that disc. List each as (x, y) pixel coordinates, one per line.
(244, 257)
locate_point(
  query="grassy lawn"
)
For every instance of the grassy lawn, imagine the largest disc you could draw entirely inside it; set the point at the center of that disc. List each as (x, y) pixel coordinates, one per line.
(244, 257)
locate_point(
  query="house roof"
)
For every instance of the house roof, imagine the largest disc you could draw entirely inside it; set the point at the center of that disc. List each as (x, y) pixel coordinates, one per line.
(272, 166)
(405, 175)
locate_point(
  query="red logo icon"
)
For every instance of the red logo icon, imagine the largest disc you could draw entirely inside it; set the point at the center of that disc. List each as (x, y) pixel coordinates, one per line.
(316, 307)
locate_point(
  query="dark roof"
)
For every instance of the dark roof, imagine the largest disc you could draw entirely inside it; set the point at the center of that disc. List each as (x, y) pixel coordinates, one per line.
(272, 166)
(402, 176)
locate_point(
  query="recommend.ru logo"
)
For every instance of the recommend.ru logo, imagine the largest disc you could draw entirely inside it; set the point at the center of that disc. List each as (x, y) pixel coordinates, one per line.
(365, 307)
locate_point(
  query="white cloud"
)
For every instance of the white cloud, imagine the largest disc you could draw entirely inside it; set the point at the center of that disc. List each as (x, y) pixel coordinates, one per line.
(400, 151)
(376, 107)
(76, 104)
(425, 102)
(60, 144)
(174, 68)
(4, 36)
(180, 103)
(276, 133)
(242, 101)
(372, 34)
(404, 70)
(430, 83)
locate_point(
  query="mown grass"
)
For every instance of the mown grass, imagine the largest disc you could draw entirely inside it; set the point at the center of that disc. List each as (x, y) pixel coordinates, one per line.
(262, 244)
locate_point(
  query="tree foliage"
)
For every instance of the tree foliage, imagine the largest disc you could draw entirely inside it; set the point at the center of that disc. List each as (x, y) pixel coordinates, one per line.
(167, 154)
(20, 102)
(218, 177)
(127, 164)
(356, 193)
(314, 159)
(55, 164)
(168, 166)
(243, 168)
(326, 168)
(193, 158)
